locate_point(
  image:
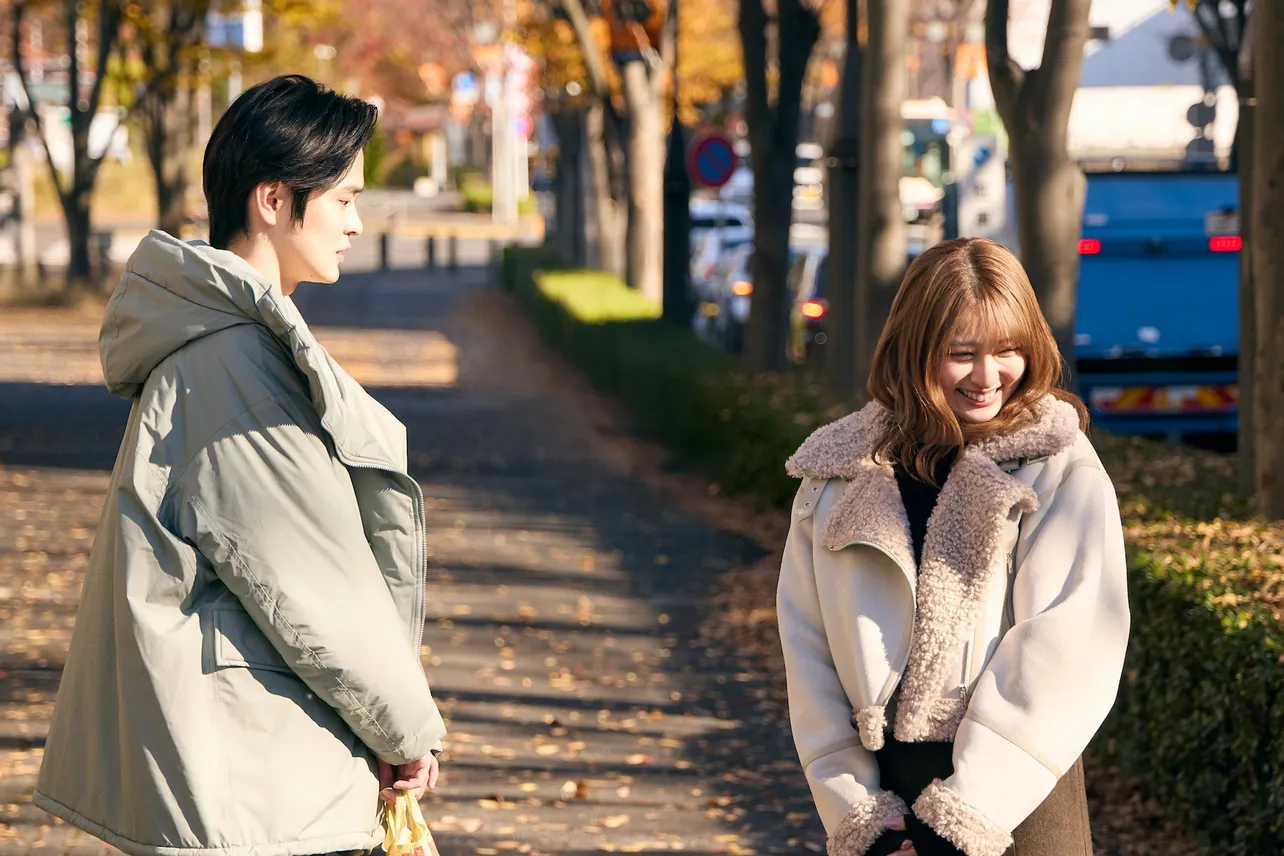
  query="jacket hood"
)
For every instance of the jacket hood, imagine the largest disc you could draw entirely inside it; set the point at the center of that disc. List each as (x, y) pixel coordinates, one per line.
(172, 294)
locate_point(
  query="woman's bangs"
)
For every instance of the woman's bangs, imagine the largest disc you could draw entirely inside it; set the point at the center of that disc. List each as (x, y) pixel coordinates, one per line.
(997, 320)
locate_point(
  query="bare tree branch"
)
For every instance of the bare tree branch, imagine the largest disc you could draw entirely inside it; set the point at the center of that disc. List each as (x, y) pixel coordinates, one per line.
(753, 35)
(1219, 37)
(25, 78)
(798, 26)
(72, 10)
(1006, 77)
(613, 125)
(108, 32)
(1062, 63)
(668, 49)
(588, 47)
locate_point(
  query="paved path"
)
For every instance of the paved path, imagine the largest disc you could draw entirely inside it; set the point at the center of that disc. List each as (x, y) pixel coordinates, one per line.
(585, 714)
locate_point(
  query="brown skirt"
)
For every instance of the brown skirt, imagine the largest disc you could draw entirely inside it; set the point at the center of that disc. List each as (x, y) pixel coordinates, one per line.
(1058, 827)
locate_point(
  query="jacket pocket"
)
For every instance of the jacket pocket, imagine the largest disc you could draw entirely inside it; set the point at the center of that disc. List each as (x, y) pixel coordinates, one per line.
(238, 642)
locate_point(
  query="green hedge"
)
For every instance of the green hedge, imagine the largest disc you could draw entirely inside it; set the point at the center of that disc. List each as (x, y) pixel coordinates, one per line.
(1201, 707)
(687, 395)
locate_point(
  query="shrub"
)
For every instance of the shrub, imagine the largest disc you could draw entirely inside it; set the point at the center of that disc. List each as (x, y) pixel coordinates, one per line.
(737, 427)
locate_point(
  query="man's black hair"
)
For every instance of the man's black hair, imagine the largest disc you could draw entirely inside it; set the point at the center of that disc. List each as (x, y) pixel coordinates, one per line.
(289, 129)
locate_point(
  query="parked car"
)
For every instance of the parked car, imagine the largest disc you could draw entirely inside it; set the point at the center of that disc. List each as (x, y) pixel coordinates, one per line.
(723, 311)
(712, 246)
(707, 214)
(807, 319)
(724, 315)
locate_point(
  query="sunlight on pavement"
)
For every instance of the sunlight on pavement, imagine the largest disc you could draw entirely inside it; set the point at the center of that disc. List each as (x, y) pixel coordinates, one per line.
(47, 347)
(387, 358)
(40, 346)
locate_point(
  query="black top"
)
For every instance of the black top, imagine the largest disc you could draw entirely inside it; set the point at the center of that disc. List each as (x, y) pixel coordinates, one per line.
(919, 498)
(907, 768)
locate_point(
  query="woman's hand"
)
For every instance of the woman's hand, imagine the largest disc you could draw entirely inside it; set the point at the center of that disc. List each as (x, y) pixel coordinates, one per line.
(897, 824)
(416, 777)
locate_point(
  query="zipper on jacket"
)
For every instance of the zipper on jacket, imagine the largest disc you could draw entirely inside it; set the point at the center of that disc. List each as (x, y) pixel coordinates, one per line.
(1009, 611)
(967, 671)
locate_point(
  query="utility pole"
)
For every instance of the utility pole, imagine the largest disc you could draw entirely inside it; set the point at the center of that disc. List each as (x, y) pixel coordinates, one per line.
(677, 207)
(844, 207)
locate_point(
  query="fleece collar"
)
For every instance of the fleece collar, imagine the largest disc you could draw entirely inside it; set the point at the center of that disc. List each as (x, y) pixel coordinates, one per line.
(963, 542)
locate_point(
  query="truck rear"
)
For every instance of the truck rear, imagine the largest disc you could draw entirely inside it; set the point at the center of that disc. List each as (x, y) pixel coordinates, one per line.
(1158, 322)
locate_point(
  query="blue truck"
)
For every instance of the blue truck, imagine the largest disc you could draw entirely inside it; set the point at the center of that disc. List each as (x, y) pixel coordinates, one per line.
(1157, 341)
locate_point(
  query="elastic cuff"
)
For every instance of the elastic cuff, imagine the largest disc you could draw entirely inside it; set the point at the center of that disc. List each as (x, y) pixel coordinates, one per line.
(955, 820)
(871, 722)
(864, 823)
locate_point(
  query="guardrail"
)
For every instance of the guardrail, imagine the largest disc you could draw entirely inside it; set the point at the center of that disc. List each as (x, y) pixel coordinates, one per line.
(441, 238)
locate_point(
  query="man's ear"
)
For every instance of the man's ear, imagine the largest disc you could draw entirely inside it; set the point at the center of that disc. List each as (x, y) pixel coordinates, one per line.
(270, 203)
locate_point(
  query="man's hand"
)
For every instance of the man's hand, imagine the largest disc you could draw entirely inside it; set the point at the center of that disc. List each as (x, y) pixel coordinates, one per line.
(416, 777)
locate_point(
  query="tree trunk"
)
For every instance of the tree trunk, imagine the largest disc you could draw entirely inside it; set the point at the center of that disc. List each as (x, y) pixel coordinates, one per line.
(646, 183)
(1048, 185)
(607, 250)
(1267, 257)
(773, 138)
(844, 231)
(168, 133)
(570, 238)
(767, 338)
(79, 229)
(1050, 190)
(1246, 363)
(881, 251)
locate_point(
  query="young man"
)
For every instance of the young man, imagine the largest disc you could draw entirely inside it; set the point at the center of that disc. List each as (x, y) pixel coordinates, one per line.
(244, 675)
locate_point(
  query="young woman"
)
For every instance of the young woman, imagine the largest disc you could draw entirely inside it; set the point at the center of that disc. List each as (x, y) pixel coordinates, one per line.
(953, 599)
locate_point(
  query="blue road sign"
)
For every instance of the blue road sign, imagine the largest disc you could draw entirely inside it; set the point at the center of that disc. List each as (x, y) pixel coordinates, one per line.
(712, 160)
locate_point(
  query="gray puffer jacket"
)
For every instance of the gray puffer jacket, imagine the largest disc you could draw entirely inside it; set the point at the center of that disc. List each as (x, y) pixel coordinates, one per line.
(249, 632)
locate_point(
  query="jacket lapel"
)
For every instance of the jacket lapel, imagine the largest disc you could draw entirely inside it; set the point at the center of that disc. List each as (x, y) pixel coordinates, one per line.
(364, 432)
(963, 543)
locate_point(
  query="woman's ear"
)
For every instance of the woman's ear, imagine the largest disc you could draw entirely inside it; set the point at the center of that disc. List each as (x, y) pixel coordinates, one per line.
(270, 204)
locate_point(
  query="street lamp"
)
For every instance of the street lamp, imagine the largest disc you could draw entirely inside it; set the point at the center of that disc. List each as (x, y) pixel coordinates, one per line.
(677, 207)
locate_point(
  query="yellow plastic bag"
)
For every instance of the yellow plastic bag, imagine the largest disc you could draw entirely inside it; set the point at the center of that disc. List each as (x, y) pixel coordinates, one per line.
(405, 832)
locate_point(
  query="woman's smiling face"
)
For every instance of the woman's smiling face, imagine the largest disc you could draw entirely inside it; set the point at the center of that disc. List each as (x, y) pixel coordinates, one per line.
(979, 372)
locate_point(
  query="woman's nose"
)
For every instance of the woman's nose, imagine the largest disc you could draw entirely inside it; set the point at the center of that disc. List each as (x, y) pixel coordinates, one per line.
(985, 372)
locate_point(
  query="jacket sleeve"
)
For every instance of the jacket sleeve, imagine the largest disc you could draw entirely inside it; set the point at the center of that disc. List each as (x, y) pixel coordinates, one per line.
(266, 504)
(842, 774)
(1052, 679)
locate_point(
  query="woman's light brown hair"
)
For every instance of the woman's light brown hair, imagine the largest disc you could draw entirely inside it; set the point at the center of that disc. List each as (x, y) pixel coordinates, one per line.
(968, 284)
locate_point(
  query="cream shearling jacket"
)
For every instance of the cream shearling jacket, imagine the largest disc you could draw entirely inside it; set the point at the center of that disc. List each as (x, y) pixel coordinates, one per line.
(1008, 639)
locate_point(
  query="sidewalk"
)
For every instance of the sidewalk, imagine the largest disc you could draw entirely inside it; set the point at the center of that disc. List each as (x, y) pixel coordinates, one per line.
(564, 597)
